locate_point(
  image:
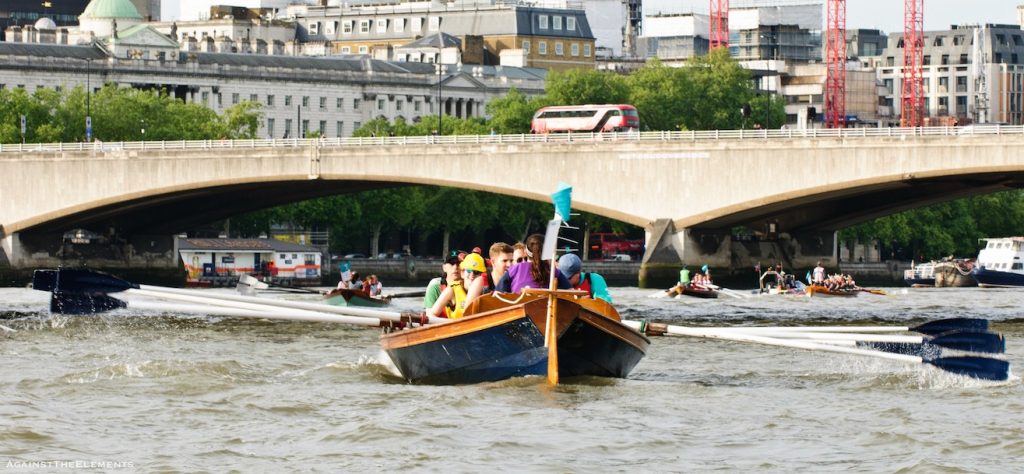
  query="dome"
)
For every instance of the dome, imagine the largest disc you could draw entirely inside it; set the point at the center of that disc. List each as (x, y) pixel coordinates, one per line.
(111, 9)
(45, 24)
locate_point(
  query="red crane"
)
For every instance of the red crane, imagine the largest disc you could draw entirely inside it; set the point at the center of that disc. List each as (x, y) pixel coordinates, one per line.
(835, 61)
(912, 98)
(719, 24)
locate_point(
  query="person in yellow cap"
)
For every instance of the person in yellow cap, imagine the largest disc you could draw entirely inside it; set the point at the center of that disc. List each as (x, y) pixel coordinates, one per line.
(452, 302)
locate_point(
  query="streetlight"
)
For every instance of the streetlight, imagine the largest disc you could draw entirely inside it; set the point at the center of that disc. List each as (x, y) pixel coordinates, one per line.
(88, 97)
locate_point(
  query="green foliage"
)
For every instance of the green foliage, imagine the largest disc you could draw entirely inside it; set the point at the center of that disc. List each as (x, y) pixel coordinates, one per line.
(118, 114)
(579, 86)
(950, 228)
(659, 94)
(719, 89)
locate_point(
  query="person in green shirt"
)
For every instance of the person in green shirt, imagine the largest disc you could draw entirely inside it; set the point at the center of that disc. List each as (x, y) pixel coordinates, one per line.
(437, 285)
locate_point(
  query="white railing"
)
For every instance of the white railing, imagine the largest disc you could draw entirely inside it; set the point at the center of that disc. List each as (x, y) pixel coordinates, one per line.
(783, 134)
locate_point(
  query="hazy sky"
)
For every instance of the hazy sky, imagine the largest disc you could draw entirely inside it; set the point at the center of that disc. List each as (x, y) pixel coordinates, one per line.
(887, 15)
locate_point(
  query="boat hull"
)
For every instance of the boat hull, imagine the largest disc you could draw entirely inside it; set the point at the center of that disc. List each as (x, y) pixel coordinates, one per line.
(348, 297)
(920, 282)
(954, 274)
(700, 293)
(814, 290)
(997, 279)
(509, 342)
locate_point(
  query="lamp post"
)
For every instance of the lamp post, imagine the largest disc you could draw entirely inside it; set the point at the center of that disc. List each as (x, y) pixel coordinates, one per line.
(88, 99)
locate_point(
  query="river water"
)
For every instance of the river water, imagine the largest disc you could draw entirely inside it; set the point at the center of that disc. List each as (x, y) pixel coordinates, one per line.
(162, 392)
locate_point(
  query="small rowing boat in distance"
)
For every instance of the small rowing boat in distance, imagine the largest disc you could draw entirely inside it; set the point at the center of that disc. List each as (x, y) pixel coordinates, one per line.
(818, 290)
(503, 338)
(699, 292)
(350, 297)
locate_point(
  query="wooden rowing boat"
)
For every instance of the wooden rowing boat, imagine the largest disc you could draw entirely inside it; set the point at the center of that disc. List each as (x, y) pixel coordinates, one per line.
(500, 339)
(818, 290)
(350, 297)
(699, 292)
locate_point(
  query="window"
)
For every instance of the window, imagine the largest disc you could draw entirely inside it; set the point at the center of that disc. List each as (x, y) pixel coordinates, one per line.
(314, 27)
(356, 103)
(433, 23)
(943, 84)
(399, 25)
(323, 103)
(356, 125)
(364, 26)
(542, 22)
(234, 98)
(945, 59)
(323, 128)
(526, 46)
(958, 40)
(586, 50)
(574, 49)
(287, 101)
(206, 98)
(305, 101)
(380, 104)
(382, 26)
(961, 84)
(398, 105)
(417, 24)
(253, 98)
(340, 103)
(339, 129)
(305, 128)
(570, 23)
(346, 50)
(287, 128)
(346, 27)
(417, 106)
(542, 47)
(220, 100)
(330, 27)
(558, 48)
(927, 60)
(938, 41)
(270, 100)
(364, 50)
(556, 22)
(270, 127)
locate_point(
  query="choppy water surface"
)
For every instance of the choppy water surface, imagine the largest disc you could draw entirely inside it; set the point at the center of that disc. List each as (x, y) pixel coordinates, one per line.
(185, 393)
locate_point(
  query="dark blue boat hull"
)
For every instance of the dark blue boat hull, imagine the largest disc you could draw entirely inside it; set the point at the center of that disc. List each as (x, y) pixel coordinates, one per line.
(986, 277)
(920, 281)
(502, 346)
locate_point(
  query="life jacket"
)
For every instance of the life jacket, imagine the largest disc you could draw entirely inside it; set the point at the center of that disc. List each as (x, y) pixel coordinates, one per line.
(460, 298)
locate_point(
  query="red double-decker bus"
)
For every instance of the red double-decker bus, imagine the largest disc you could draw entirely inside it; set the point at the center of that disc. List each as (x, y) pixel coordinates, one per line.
(586, 118)
(604, 245)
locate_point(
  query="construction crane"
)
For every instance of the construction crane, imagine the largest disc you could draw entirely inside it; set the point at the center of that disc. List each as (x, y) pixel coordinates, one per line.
(912, 97)
(719, 24)
(835, 63)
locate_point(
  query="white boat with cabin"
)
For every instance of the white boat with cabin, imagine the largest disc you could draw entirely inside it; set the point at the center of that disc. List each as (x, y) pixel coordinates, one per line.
(1000, 263)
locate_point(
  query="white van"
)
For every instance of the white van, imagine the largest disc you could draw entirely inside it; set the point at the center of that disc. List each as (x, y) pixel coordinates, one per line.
(620, 257)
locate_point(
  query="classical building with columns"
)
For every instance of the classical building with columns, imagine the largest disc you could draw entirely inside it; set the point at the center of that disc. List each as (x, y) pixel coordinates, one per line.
(331, 95)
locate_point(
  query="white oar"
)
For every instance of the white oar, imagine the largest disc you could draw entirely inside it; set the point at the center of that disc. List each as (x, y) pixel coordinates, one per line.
(834, 336)
(270, 313)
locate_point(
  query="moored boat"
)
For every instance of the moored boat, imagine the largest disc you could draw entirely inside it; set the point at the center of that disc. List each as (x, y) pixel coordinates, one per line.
(350, 297)
(502, 338)
(1000, 263)
(954, 273)
(818, 290)
(921, 275)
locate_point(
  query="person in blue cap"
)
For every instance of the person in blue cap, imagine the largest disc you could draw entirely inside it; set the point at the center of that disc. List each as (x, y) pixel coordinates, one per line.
(590, 282)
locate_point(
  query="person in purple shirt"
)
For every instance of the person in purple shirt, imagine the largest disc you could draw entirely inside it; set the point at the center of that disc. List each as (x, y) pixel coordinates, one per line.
(534, 273)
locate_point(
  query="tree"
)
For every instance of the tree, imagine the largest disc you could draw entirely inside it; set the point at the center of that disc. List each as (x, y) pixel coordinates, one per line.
(242, 120)
(660, 96)
(720, 88)
(580, 86)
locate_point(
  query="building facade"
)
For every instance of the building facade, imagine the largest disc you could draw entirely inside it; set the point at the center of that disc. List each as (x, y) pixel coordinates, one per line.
(958, 76)
(548, 38)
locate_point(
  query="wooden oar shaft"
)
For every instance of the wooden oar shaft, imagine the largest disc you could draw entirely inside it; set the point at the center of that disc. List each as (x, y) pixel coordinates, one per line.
(667, 329)
(318, 307)
(268, 313)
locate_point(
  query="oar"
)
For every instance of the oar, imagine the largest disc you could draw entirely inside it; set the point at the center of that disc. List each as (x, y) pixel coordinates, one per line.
(969, 341)
(91, 282)
(930, 328)
(977, 367)
(872, 291)
(408, 294)
(74, 303)
(248, 285)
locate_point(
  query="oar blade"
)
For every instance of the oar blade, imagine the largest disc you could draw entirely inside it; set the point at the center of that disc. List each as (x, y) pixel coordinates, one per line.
(44, 279)
(982, 368)
(933, 328)
(62, 302)
(84, 280)
(986, 342)
(918, 349)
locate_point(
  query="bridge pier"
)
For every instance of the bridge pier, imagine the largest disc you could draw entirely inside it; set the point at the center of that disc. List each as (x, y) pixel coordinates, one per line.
(730, 259)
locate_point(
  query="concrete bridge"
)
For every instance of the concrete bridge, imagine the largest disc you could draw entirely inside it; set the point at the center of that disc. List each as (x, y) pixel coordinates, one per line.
(688, 190)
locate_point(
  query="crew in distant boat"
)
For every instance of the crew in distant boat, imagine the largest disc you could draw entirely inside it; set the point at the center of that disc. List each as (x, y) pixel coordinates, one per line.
(373, 286)
(818, 277)
(593, 283)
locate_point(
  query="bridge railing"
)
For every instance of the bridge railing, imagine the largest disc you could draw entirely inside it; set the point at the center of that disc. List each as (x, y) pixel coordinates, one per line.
(704, 135)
